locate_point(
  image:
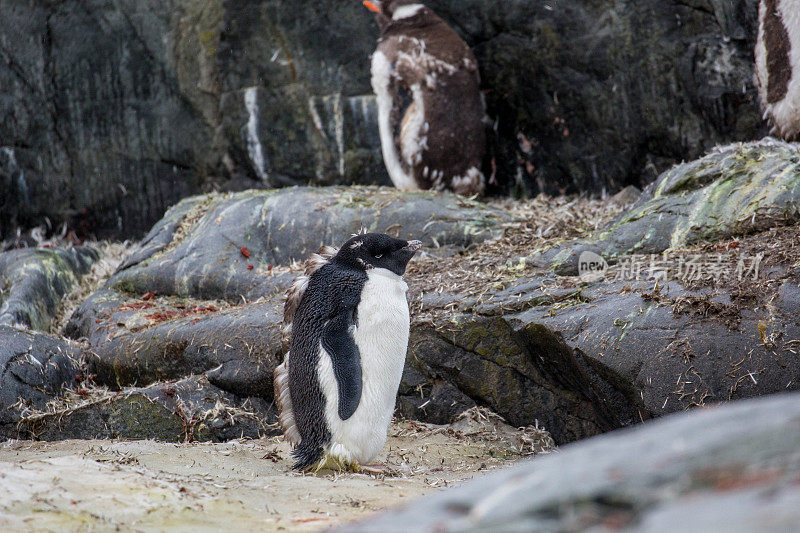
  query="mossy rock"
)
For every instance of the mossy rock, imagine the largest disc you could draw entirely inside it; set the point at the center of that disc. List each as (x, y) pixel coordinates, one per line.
(35, 369)
(191, 409)
(197, 248)
(734, 190)
(34, 280)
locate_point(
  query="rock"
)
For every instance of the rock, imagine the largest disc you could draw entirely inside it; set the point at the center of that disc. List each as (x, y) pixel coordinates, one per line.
(186, 302)
(723, 469)
(713, 318)
(33, 282)
(36, 368)
(203, 246)
(583, 358)
(141, 342)
(527, 376)
(102, 117)
(120, 110)
(191, 409)
(431, 400)
(674, 349)
(734, 190)
(627, 196)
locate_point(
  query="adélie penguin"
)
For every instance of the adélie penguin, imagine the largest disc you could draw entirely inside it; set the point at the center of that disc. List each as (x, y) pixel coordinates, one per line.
(430, 107)
(349, 322)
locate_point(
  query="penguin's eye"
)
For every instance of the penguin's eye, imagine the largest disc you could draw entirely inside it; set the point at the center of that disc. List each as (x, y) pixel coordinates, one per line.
(378, 256)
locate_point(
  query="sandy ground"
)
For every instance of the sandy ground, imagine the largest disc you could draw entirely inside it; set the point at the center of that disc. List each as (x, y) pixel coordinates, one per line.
(103, 485)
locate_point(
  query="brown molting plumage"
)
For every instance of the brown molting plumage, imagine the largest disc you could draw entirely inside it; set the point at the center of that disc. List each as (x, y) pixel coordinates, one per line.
(430, 107)
(778, 65)
(283, 400)
(280, 381)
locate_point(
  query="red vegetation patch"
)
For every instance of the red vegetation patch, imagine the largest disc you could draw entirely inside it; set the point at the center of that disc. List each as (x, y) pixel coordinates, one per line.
(149, 295)
(250, 266)
(245, 251)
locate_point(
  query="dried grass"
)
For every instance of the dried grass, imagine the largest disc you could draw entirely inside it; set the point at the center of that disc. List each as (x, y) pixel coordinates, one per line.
(111, 255)
(68, 402)
(491, 266)
(484, 424)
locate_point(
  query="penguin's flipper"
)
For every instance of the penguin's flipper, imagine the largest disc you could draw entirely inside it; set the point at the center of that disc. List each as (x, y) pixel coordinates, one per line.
(346, 361)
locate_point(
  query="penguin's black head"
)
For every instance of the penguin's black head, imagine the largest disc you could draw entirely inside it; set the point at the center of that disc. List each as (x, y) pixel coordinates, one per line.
(377, 250)
(397, 11)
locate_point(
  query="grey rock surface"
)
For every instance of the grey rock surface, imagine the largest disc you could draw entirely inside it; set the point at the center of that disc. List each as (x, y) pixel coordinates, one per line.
(734, 190)
(583, 357)
(579, 358)
(527, 377)
(197, 249)
(728, 468)
(112, 112)
(673, 350)
(191, 409)
(186, 303)
(140, 342)
(34, 280)
(35, 368)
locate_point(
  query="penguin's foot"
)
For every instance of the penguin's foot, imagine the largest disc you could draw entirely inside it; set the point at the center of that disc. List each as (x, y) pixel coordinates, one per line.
(337, 464)
(332, 462)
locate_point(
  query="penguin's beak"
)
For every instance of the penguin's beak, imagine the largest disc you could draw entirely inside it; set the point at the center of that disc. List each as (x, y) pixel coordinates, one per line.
(413, 246)
(373, 6)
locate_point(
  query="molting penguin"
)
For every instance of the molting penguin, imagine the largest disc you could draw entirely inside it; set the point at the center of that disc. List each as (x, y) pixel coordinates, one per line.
(430, 108)
(778, 65)
(349, 323)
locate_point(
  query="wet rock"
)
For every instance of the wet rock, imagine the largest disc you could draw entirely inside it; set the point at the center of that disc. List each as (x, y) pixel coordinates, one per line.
(121, 109)
(33, 281)
(728, 468)
(528, 377)
(590, 357)
(430, 400)
(203, 246)
(584, 356)
(35, 369)
(104, 120)
(191, 409)
(673, 350)
(734, 190)
(133, 341)
(202, 295)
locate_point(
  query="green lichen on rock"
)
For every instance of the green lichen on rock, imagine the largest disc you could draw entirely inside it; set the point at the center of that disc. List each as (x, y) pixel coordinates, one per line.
(191, 409)
(33, 282)
(734, 190)
(196, 250)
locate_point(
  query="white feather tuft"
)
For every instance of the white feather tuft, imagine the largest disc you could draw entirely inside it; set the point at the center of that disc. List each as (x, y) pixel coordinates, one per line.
(283, 399)
(404, 12)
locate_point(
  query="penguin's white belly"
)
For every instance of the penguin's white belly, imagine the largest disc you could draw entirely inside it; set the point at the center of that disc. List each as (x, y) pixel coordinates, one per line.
(382, 340)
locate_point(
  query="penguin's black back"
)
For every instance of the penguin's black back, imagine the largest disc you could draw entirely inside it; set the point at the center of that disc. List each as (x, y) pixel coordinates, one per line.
(332, 291)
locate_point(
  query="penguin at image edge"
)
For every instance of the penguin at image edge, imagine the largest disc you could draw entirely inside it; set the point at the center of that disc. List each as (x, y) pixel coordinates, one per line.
(430, 107)
(777, 57)
(349, 323)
